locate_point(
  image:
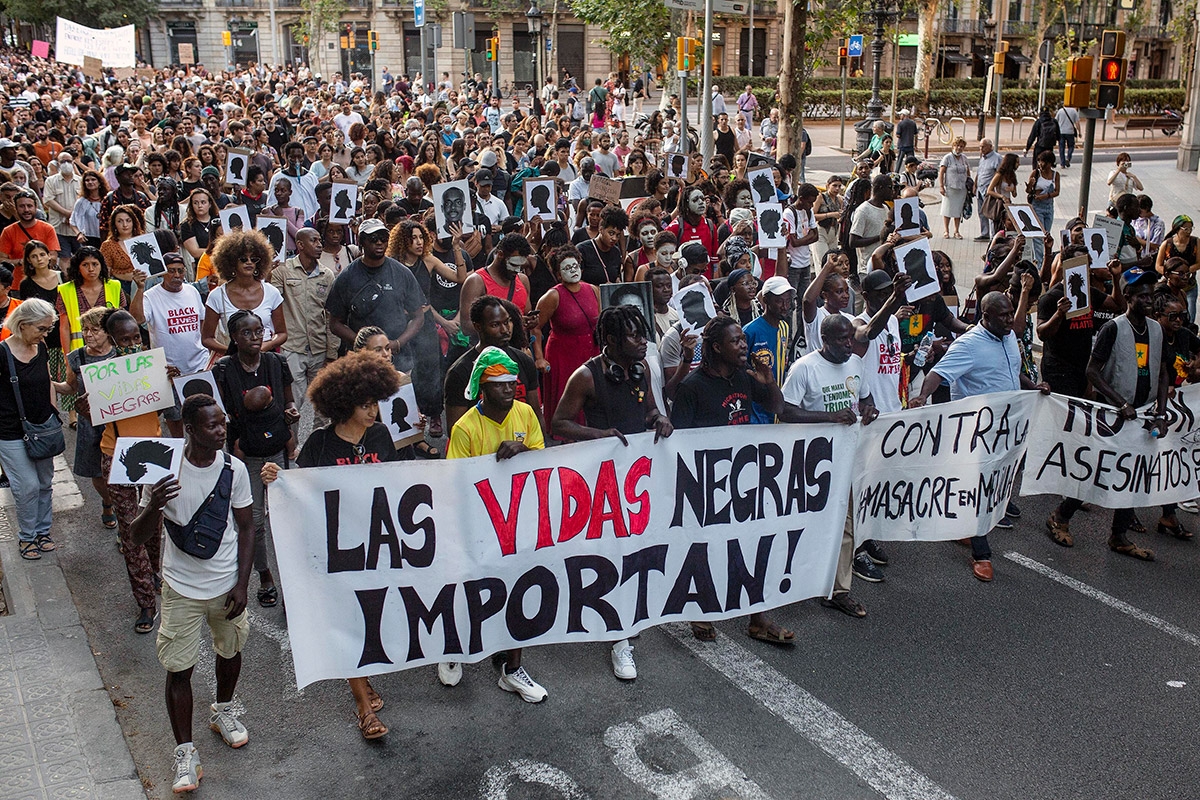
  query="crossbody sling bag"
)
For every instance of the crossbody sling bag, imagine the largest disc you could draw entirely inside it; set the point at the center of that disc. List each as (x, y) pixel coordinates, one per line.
(201, 536)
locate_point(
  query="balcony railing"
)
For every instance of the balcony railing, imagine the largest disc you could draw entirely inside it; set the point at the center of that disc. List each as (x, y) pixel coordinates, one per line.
(957, 25)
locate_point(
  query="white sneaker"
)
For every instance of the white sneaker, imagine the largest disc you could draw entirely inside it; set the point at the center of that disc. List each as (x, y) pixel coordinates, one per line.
(187, 769)
(449, 673)
(520, 682)
(1189, 506)
(622, 660)
(230, 727)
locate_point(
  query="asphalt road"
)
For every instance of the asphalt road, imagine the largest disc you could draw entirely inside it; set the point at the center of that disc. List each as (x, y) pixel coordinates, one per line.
(1039, 686)
(838, 162)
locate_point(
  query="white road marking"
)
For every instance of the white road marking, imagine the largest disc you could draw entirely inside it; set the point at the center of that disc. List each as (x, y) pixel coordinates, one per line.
(499, 779)
(1106, 599)
(1177, 684)
(711, 776)
(842, 740)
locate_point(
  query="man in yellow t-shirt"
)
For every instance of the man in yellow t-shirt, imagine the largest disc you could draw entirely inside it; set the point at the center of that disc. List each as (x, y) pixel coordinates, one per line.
(497, 423)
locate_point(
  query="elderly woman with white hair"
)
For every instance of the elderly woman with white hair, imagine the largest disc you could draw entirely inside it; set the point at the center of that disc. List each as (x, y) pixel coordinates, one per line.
(108, 164)
(26, 355)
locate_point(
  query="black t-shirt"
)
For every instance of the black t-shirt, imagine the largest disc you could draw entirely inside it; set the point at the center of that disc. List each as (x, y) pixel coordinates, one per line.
(233, 381)
(580, 236)
(387, 296)
(1102, 350)
(600, 266)
(1181, 349)
(410, 209)
(1068, 350)
(324, 448)
(459, 376)
(705, 401)
(33, 379)
(200, 231)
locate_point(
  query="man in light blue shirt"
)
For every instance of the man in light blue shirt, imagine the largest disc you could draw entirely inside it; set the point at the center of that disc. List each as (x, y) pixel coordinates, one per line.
(983, 360)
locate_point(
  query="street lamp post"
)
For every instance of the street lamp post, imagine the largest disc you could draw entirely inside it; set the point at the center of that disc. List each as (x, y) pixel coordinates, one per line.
(879, 14)
(533, 18)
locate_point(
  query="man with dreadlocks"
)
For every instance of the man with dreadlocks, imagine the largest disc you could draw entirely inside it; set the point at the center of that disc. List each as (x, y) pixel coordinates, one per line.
(497, 423)
(720, 393)
(613, 391)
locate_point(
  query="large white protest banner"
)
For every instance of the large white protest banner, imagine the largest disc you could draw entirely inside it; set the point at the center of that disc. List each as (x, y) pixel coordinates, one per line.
(126, 386)
(393, 566)
(115, 47)
(940, 472)
(1087, 451)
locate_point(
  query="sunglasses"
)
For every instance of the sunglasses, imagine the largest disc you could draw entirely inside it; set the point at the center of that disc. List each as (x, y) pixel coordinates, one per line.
(1177, 316)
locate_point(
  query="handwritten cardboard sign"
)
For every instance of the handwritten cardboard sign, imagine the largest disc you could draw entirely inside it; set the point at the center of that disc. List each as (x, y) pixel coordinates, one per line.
(127, 386)
(603, 188)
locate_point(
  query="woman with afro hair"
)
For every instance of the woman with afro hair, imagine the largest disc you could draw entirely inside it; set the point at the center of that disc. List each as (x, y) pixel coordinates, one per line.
(243, 260)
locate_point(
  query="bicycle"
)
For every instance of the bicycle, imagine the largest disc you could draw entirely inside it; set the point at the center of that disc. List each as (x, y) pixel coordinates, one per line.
(934, 126)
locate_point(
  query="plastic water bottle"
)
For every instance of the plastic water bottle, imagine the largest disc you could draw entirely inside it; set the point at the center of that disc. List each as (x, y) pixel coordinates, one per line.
(923, 349)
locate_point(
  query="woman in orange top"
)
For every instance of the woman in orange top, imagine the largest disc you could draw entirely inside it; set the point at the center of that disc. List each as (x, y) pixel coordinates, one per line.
(125, 222)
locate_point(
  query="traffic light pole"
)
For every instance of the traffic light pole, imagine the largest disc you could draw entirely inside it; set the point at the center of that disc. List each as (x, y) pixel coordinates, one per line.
(1089, 141)
(842, 132)
(683, 118)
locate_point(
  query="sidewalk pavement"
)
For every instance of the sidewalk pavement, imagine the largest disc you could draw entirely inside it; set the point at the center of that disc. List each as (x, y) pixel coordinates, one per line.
(59, 736)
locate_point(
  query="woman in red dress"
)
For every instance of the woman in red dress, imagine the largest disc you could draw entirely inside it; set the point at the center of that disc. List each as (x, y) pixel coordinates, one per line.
(572, 308)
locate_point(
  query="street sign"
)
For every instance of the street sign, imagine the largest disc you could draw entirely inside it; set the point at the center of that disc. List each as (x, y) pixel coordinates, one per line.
(419, 13)
(464, 30)
(855, 48)
(719, 6)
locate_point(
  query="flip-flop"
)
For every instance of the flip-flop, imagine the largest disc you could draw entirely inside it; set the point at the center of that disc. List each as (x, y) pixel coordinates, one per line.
(145, 621)
(773, 633)
(370, 726)
(107, 518)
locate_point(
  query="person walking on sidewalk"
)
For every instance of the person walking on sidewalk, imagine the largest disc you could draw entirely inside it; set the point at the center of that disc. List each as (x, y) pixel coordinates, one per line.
(207, 559)
(1068, 129)
(989, 162)
(1043, 135)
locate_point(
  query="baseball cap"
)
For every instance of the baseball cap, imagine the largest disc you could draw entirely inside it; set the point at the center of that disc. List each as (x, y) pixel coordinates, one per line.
(6, 143)
(371, 226)
(904, 112)
(213, 171)
(483, 177)
(876, 280)
(488, 159)
(776, 284)
(911, 160)
(124, 166)
(1135, 276)
(173, 258)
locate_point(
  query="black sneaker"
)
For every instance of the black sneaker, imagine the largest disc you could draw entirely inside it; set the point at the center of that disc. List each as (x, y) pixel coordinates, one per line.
(874, 551)
(865, 570)
(1005, 523)
(4, 484)
(1012, 512)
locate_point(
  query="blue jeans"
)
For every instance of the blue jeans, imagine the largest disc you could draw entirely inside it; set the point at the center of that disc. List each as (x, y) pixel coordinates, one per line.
(1066, 148)
(1045, 213)
(31, 488)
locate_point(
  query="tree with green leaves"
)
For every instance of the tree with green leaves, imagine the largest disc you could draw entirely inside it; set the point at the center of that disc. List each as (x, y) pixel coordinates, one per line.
(320, 17)
(93, 13)
(637, 28)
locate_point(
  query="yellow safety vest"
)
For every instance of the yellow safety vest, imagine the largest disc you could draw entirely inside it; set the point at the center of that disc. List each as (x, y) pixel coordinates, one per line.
(70, 297)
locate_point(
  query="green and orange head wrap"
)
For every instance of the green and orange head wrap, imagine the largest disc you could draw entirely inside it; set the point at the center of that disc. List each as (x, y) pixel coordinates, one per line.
(494, 365)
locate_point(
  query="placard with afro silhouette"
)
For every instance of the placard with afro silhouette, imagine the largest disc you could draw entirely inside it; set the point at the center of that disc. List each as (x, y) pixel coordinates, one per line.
(198, 383)
(916, 259)
(343, 202)
(1076, 286)
(145, 254)
(771, 234)
(762, 186)
(138, 462)
(275, 230)
(541, 199)
(400, 413)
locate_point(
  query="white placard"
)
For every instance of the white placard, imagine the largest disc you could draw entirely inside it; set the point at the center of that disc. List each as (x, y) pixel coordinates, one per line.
(695, 307)
(1096, 242)
(138, 462)
(675, 165)
(541, 199)
(916, 259)
(237, 162)
(762, 186)
(145, 254)
(275, 231)
(400, 414)
(126, 386)
(198, 383)
(770, 226)
(451, 203)
(235, 218)
(907, 213)
(343, 202)
(1026, 222)
(115, 47)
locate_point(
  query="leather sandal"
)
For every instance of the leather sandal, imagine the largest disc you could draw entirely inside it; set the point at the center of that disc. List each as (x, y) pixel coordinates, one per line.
(1060, 532)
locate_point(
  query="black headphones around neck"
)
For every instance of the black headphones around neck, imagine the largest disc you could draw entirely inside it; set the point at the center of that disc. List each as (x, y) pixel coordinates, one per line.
(616, 373)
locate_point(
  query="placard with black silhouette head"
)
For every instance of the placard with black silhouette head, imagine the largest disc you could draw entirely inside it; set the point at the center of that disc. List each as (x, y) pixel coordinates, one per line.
(907, 213)
(916, 259)
(1025, 221)
(139, 462)
(343, 202)
(675, 165)
(237, 161)
(198, 383)
(1075, 286)
(639, 295)
(1112, 228)
(541, 199)
(770, 226)
(145, 254)
(762, 186)
(400, 414)
(275, 231)
(235, 218)
(694, 305)
(450, 203)
(1096, 242)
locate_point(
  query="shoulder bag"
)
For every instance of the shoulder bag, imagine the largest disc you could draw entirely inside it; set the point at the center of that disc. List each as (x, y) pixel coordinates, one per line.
(42, 439)
(201, 536)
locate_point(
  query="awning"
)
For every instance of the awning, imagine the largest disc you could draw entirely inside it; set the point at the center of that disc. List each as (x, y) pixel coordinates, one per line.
(1020, 58)
(909, 40)
(957, 58)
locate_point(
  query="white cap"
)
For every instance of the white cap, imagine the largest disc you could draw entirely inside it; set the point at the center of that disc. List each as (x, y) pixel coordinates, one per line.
(776, 284)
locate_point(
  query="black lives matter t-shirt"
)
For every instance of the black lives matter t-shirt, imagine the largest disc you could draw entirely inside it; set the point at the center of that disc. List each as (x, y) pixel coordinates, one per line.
(705, 401)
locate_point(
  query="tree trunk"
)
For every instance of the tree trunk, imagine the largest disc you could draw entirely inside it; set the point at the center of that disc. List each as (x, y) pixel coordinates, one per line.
(1046, 14)
(927, 37)
(791, 77)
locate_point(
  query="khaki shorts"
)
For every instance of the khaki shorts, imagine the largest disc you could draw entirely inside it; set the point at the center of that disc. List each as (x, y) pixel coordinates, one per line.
(179, 632)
